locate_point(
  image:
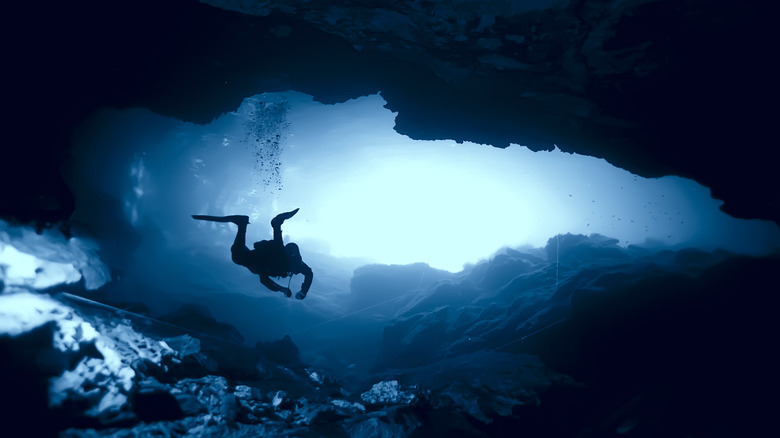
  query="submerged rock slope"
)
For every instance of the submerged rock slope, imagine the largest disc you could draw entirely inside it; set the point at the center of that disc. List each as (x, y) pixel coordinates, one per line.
(659, 343)
(580, 338)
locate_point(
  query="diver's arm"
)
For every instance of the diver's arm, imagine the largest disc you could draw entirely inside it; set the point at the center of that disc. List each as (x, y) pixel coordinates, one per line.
(308, 277)
(270, 284)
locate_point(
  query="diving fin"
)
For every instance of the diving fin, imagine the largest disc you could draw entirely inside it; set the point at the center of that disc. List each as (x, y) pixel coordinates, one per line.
(236, 218)
(281, 217)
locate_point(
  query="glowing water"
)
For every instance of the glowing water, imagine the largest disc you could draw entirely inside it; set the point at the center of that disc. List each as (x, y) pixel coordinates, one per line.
(366, 191)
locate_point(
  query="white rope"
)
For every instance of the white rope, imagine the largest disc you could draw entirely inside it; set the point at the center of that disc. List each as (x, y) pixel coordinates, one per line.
(523, 338)
(419, 283)
(366, 308)
(351, 313)
(557, 257)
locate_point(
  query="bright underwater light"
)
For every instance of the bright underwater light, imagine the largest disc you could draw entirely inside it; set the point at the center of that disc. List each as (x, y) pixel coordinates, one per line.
(366, 191)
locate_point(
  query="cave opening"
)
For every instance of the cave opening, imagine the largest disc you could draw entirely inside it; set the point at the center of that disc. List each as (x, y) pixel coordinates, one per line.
(368, 196)
(367, 192)
(459, 288)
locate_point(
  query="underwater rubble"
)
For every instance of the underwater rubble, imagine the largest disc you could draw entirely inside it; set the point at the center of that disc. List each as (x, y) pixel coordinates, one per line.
(98, 375)
(604, 342)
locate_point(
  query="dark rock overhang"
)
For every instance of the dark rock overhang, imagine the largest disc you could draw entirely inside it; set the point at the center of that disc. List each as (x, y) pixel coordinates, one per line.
(655, 87)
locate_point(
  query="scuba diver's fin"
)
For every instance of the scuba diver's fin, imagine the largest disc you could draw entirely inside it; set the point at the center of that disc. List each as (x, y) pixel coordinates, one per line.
(281, 217)
(236, 218)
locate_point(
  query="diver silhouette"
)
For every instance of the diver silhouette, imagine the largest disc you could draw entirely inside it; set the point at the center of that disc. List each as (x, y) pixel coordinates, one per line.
(270, 258)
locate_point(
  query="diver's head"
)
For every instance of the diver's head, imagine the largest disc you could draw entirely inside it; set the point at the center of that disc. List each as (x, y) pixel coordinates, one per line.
(294, 258)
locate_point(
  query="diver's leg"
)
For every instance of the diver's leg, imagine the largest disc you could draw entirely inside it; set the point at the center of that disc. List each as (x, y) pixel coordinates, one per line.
(276, 224)
(239, 251)
(240, 237)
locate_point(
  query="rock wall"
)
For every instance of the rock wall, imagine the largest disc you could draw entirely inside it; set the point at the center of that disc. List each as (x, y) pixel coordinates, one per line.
(655, 87)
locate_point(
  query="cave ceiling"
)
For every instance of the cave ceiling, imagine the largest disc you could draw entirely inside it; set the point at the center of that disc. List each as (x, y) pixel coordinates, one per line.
(655, 87)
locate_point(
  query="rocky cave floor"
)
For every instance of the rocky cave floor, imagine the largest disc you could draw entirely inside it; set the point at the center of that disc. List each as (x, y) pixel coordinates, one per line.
(78, 368)
(630, 342)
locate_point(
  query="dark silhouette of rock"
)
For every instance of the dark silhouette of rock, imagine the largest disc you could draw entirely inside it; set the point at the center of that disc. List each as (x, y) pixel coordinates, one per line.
(152, 401)
(283, 352)
(625, 81)
(198, 318)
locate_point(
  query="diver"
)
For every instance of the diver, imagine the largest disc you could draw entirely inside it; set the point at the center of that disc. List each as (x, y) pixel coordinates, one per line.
(270, 258)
